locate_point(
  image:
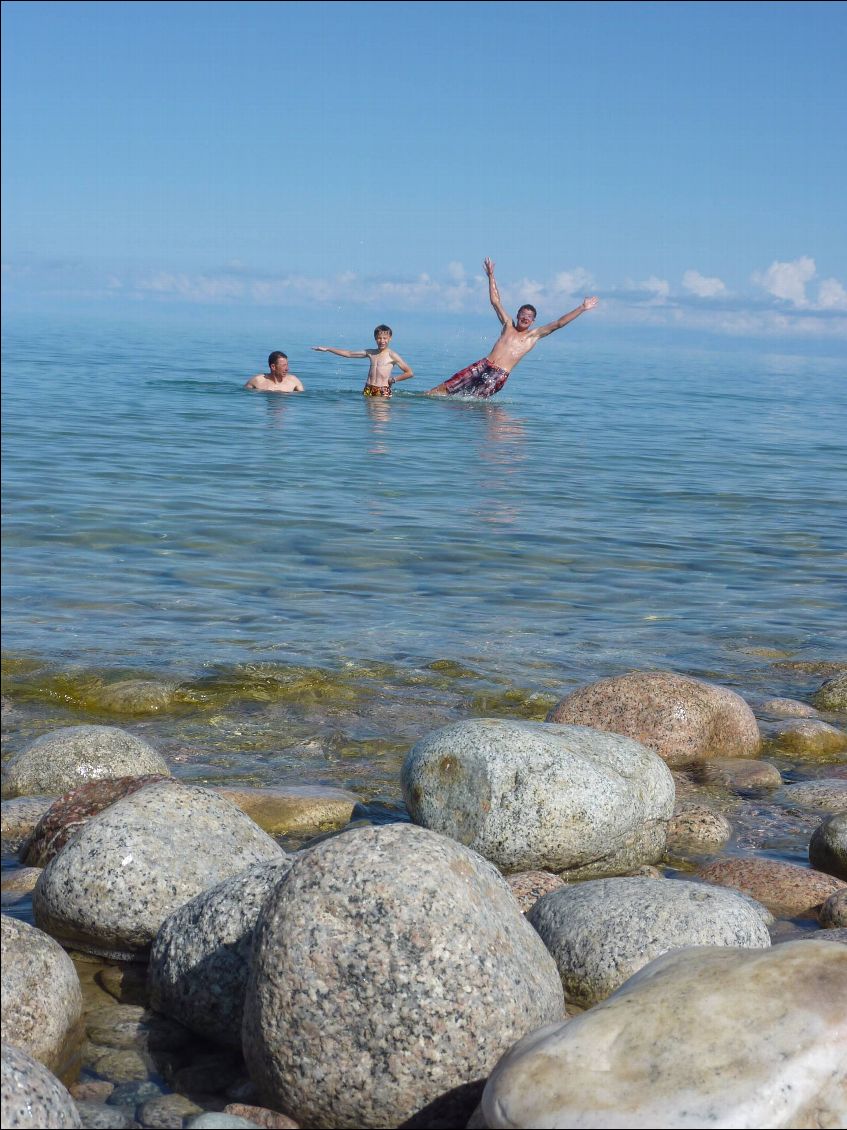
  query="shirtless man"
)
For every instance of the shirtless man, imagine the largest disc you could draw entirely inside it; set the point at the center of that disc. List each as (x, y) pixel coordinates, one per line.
(278, 379)
(485, 377)
(380, 382)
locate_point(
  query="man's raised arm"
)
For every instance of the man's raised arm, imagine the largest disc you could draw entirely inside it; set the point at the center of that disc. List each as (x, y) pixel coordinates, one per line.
(551, 327)
(494, 293)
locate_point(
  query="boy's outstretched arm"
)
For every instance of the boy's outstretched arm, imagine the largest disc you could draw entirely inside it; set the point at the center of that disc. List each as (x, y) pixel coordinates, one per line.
(405, 371)
(339, 352)
(494, 293)
(551, 327)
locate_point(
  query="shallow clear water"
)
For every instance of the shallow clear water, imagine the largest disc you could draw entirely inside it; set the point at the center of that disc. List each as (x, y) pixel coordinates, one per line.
(608, 510)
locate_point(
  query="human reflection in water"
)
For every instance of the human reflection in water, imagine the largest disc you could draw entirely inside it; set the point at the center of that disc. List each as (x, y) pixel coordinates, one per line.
(379, 414)
(500, 453)
(276, 406)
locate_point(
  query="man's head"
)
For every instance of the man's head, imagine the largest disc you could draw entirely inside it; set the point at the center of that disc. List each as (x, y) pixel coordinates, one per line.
(278, 363)
(382, 336)
(526, 316)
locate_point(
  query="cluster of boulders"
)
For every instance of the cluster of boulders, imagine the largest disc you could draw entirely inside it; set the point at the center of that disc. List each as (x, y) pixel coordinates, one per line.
(434, 973)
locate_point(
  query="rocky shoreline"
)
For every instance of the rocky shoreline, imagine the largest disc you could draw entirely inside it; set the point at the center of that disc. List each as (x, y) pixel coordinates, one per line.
(570, 931)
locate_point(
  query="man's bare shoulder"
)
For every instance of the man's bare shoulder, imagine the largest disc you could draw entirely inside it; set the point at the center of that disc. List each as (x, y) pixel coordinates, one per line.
(259, 381)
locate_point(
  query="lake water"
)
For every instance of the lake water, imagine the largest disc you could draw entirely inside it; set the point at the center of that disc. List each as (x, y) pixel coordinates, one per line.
(321, 578)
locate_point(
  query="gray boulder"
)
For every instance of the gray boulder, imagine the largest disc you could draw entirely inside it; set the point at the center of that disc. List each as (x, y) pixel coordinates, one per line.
(684, 720)
(32, 1096)
(602, 932)
(58, 761)
(828, 846)
(389, 967)
(665, 1049)
(199, 960)
(112, 886)
(533, 796)
(42, 996)
(832, 695)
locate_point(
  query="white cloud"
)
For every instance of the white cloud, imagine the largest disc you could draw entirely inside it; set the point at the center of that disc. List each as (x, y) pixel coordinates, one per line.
(702, 285)
(577, 281)
(832, 295)
(456, 271)
(788, 280)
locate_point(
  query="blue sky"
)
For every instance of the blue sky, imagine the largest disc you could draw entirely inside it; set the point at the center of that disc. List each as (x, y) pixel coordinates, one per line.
(684, 161)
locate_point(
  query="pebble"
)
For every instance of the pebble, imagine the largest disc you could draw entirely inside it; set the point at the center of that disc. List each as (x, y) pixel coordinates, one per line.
(529, 886)
(697, 828)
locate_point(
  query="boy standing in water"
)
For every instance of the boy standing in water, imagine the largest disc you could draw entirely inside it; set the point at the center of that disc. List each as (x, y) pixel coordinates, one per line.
(380, 382)
(483, 378)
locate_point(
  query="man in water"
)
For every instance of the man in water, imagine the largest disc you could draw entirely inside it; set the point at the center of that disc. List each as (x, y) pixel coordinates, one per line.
(485, 377)
(278, 379)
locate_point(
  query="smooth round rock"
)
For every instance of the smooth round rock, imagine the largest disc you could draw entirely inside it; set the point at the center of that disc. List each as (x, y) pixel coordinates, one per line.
(787, 708)
(602, 932)
(741, 774)
(42, 996)
(61, 760)
(32, 1097)
(664, 1049)
(18, 884)
(698, 828)
(828, 846)
(20, 815)
(785, 889)
(809, 737)
(827, 794)
(390, 966)
(683, 719)
(832, 695)
(833, 913)
(294, 809)
(199, 960)
(529, 886)
(113, 885)
(138, 696)
(531, 796)
(67, 815)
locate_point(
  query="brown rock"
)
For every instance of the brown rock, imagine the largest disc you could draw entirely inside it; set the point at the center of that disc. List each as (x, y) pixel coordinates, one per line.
(262, 1116)
(683, 719)
(785, 889)
(294, 809)
(529, 886)
(740, 774)
(833, 913)
(787, 708)
(697, 827)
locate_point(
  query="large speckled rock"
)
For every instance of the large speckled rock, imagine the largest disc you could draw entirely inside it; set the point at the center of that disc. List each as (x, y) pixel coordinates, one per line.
(602, 932)
(32, 1097)
(113, 885)
(833, 694)
(294, 809)
(199, 960)
(67, 815)
(683, 719)
(20, 816)
(389, 967)
(57, 762)
(664, 1050)
(42, 996)
(531, 796)
(828, 846)
(809, 738)
(787, 890)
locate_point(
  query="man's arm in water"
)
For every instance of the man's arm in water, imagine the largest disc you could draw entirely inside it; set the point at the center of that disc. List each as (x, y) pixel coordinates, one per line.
(298, 384)
(551, 327)
(340, 352)
(494, 293)
(254, 381)
(405, 371)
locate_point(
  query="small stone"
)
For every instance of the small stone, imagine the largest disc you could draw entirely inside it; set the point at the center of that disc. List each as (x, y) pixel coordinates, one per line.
(122, 1065)
(96, 1116)
(213, 1120)
(20, 815)
(138, 696)
(697, 828)
(167, 1112)
(92, 1091)
(833, 913)
(787, 890)
(133, 1093)
(126, 982)
(261, 1116)
(18, 883)
(529, 886)
(741, 774)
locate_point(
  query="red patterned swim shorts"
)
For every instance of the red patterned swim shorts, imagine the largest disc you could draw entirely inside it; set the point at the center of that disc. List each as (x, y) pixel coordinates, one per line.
(376, 390)
(482, 379)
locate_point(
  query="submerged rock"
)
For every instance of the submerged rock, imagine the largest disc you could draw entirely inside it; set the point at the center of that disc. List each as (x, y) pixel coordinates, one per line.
(294, 809)
(138, 696)
(111, 887)
(809, 737)
(827, 794)
(535, 796)
(832, 695)
(741, 774)
(42, 996)
(787, 708)
(698, 828)
(683, 719)
(602, 932)
(32, 1096)
(664, 1050)
(390, 966)
(61, 760)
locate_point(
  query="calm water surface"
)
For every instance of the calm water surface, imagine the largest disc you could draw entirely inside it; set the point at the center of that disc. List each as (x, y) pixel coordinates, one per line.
(322, 578)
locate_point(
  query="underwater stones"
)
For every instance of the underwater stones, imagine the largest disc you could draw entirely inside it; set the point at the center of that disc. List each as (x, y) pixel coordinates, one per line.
(697, 827)
(683, 719)
(602, 932)
(741, 774)
(42, 996)
(809, 737)
(535, 796)
(137, 696)
(828, 846)
(832, 695)
(664, 1050)
(68, 814)
(826, 794)
(294, 809)
(32, 1097)
(111, 887)
(390, 966)
(16, 884)
(60, 760)
(199, 960)
(787, 708)
(787, 890)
